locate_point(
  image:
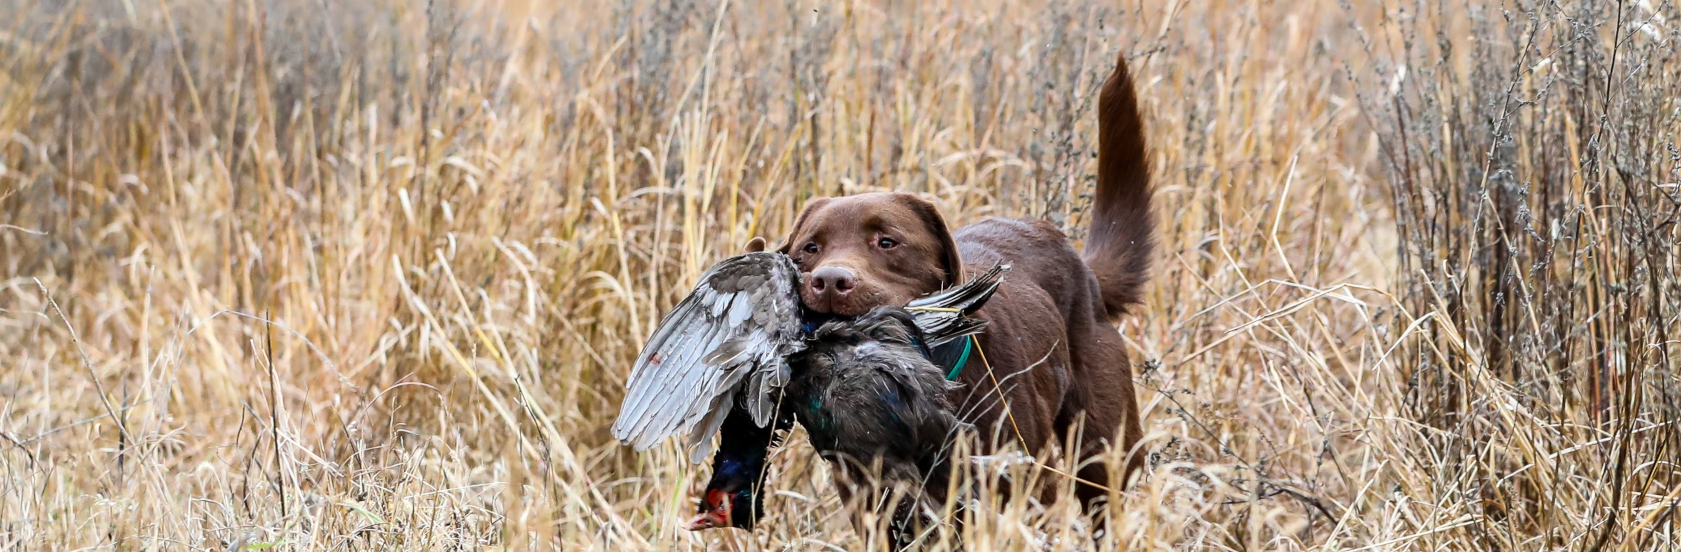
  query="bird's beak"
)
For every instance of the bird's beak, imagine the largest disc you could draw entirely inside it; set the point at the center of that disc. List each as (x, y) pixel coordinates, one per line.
(708, 520)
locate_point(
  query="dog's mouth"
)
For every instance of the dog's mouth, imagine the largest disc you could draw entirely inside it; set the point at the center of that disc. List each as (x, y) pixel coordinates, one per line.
(855, 303)
(811, 319)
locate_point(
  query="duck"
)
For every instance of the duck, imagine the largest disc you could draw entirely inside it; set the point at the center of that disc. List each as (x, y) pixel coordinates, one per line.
(719, 364)
(875, 407)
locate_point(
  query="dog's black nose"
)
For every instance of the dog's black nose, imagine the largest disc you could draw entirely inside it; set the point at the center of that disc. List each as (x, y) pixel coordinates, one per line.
(833, 280)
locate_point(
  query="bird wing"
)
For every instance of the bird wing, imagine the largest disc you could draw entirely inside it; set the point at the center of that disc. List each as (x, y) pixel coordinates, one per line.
(943, 315)
(737, 326)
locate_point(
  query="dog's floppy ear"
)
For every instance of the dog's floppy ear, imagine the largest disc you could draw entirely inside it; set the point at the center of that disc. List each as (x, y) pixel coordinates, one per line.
(755, 245)
(799, 222)
(950, 260)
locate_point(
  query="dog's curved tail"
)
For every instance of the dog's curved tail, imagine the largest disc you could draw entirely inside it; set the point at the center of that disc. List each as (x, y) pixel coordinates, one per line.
(1123, 226)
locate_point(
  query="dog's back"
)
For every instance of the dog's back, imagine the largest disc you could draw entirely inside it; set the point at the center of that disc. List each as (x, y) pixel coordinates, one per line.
(1052, 340)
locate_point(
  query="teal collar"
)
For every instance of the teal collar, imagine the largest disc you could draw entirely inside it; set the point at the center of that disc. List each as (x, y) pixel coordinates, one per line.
(953, 356)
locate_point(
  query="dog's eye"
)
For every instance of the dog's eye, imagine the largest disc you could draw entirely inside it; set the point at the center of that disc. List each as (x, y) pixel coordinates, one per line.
(811, 248)
(886, 243)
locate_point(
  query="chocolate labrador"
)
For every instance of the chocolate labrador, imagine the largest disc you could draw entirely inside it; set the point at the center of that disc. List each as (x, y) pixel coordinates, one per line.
(1051, 351)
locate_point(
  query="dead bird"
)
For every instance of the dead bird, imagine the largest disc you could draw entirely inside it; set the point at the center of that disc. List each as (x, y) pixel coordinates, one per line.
(877, 409)
(725, 349)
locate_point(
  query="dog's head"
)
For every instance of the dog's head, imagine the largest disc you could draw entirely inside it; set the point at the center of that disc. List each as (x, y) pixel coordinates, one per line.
(869, 250)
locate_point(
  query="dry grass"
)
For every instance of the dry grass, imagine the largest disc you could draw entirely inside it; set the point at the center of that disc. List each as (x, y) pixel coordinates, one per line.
(352, 275)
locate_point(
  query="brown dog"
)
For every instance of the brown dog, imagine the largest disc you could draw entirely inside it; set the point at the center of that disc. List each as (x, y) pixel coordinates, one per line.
(1051, 341)
(1051, 320)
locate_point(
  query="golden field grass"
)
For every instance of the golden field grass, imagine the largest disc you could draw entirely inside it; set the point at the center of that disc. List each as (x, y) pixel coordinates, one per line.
(315, 275)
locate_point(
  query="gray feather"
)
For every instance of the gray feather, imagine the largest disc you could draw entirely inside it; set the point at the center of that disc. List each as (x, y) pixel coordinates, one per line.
(725, 340)
(944, 315)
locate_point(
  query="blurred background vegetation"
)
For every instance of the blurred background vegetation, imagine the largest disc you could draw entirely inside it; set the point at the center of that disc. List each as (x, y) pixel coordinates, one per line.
(370, 275)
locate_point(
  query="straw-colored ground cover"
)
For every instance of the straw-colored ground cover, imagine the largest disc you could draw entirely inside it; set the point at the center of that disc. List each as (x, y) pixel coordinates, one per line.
(318, 275)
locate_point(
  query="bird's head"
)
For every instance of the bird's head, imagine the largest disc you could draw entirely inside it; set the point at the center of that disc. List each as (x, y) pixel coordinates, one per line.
(729, 499)
(721, 508)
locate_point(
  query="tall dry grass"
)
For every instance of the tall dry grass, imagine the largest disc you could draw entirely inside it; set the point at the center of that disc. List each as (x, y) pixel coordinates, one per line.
(319, 275)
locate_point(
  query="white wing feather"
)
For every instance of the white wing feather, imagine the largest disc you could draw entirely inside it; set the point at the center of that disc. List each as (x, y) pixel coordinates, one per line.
(740, 322)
